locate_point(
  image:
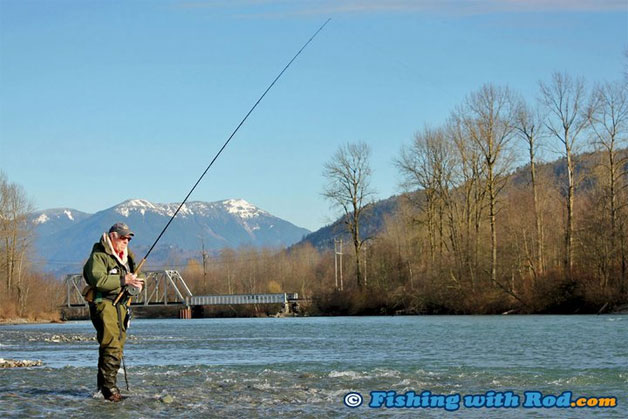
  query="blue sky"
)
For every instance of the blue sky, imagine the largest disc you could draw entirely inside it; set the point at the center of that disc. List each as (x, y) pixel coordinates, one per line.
(103, 101)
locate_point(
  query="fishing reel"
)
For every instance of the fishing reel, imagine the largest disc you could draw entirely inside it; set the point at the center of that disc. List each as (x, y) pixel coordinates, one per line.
(131, 290)
(128, 291)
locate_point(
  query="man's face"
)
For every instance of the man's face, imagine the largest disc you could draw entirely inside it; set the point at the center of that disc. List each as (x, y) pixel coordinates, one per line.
(120, 243)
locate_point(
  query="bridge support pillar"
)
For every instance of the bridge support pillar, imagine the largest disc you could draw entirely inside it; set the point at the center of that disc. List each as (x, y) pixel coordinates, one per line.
(185, 313)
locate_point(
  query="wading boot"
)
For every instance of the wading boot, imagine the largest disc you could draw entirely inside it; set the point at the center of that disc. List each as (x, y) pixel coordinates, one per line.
(112, 395)
(116, 397)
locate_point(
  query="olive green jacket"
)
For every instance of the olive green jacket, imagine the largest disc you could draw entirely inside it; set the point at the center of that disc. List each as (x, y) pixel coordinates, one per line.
(105, 271)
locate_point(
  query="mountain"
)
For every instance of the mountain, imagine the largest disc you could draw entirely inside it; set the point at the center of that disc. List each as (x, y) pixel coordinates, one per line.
(52, 220)
(371, 224)
(65, 236)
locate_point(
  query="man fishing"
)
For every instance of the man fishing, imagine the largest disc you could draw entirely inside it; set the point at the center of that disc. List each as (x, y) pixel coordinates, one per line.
(109, 272)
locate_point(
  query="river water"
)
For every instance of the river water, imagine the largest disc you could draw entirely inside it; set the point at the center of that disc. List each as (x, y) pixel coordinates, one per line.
(304, 367)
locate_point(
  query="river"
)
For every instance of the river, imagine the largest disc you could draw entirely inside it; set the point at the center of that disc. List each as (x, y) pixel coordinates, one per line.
(304, 367)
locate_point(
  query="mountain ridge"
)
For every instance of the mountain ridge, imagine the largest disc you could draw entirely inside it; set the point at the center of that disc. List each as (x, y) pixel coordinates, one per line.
(67, 235)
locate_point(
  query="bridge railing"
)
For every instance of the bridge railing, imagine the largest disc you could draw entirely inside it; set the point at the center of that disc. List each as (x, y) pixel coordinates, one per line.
(163, 288)
(206, 300)
(74, 285)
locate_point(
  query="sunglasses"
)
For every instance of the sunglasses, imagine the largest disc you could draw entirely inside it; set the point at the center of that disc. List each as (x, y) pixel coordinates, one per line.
(127, 238)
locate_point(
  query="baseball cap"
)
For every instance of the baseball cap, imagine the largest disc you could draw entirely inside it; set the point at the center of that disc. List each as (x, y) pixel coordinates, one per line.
(122, 230)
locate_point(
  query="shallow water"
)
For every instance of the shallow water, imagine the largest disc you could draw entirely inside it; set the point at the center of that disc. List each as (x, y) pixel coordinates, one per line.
(305, 366)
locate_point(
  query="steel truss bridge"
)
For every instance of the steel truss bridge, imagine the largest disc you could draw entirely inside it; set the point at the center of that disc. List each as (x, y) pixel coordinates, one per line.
(167, 288)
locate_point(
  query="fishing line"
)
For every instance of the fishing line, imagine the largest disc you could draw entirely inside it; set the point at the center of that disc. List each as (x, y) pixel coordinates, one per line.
(139, 267)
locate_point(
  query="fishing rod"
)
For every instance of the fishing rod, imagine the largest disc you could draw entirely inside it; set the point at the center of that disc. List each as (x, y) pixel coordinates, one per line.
(141, 264)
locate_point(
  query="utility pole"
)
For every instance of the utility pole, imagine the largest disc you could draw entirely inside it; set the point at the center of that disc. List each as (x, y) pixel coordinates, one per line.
(341, 286)
(204, 256)
(336, 261)
(338, 255)
(365, 283)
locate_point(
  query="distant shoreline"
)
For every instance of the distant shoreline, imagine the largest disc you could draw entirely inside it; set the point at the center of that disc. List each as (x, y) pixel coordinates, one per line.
(619, 311)
(14, 322)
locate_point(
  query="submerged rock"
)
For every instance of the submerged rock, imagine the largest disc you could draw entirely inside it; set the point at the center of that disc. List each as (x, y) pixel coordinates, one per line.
(73, 338)
(15, 363)
(166, 399)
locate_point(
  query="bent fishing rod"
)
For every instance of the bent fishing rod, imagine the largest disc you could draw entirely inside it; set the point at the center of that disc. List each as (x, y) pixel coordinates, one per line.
(141, 264)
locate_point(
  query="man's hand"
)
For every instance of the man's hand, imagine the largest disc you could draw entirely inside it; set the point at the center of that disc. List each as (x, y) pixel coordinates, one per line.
(133, 280)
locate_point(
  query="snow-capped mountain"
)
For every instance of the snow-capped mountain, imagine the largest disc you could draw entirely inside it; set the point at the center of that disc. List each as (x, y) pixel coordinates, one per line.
(237, 207)
(52, 220)
(65, 236)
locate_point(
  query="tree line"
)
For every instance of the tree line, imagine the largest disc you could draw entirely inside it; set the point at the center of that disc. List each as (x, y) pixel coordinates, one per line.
(25, 292)
(549, 243)
(484, 225)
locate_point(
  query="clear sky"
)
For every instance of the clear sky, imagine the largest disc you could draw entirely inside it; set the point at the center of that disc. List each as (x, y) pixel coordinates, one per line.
(103, 101)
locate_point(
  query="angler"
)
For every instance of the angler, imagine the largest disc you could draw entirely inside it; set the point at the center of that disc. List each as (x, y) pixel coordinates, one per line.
(108, 272)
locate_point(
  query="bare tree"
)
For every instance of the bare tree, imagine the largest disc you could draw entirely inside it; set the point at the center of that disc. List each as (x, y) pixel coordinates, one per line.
(608, 117)
(228, 258)
(15, 238)
(563, 98)
(348, 175)
(529, 126)
(472, 173)
(421, 167)
(430, 164)
(488, 118)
